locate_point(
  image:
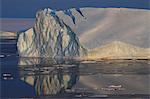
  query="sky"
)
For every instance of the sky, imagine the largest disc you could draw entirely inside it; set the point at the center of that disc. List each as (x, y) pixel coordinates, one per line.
(28, 8)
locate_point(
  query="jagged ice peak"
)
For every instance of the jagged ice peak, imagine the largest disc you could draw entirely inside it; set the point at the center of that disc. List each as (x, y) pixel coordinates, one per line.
(50, 37)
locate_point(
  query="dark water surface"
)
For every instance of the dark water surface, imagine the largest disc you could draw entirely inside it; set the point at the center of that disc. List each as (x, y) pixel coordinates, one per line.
(58, 78)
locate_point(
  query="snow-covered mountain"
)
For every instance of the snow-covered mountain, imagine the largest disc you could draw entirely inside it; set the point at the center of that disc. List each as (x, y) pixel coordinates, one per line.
(50, 37)
(119, 50)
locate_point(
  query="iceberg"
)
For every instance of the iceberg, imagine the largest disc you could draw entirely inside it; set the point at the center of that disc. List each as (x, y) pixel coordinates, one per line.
(50, 37)
(102, 25)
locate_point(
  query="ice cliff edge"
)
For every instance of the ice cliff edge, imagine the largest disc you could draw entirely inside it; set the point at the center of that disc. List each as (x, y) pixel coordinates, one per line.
(50, 37)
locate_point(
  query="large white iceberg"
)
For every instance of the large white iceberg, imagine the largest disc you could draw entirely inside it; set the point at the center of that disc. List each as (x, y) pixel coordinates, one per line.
(50, 37)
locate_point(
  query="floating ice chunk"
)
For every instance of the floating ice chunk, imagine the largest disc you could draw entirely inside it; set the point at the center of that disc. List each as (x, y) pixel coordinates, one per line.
(7, 76)
(2, 56)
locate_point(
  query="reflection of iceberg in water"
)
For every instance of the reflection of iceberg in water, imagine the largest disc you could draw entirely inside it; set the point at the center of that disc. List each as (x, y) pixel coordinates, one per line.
(47, 75)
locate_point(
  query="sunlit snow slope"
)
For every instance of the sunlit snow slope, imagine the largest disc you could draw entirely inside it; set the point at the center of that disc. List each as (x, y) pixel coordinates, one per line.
(100, 26)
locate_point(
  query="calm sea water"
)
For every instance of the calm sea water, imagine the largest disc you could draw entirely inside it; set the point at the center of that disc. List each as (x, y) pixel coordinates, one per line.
(58, 78)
